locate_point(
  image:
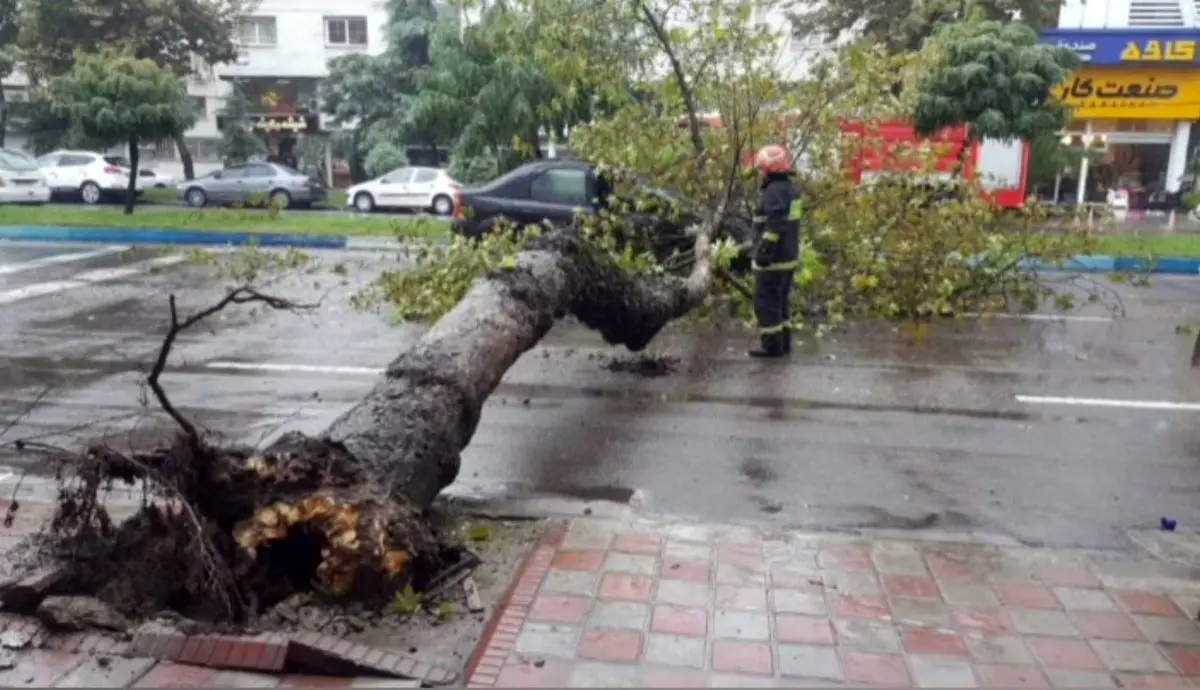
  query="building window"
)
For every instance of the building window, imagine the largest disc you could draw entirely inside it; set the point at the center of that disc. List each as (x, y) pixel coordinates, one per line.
(257, 31)
(346, 31)
(199, 106)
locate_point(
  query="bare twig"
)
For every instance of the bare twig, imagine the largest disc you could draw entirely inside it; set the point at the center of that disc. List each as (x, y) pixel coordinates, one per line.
(241, 295)
(33, 404)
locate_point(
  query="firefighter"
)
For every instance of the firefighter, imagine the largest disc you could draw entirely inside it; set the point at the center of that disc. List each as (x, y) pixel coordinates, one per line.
(777, 250)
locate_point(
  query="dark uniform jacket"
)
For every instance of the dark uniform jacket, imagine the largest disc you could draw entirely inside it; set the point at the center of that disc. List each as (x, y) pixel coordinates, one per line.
(778, 224)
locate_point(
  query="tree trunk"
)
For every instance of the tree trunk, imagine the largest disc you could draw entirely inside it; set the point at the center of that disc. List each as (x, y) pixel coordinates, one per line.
(131, 187)
(185, 157)
(344, 509)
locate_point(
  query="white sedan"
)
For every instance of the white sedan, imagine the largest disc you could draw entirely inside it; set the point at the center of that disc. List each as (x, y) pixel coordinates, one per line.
(410, 188)
(152, 179)
(21, 181)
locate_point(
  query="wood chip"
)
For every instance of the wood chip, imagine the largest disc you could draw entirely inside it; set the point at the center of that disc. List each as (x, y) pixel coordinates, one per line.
(474, 601)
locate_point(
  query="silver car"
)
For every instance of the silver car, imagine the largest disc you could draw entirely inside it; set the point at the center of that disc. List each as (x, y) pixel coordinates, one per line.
(253, 183)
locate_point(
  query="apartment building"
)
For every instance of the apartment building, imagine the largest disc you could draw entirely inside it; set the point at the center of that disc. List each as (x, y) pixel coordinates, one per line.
(285, 49)
(1136, 99)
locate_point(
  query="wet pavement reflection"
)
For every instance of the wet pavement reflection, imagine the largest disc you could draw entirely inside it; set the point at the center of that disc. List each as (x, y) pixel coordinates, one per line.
(874, 429)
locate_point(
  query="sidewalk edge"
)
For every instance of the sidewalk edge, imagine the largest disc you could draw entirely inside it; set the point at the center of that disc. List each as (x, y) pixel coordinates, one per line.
(500, 634)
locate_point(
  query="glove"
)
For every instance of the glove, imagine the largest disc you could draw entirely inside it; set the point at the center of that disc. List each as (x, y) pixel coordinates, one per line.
(764, 252)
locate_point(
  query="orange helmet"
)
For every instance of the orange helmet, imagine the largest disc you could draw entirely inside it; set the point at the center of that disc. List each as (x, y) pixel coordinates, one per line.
(773, 159)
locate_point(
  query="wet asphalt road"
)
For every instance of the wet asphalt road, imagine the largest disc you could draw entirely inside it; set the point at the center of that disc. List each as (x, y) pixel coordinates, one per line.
(1063, 433)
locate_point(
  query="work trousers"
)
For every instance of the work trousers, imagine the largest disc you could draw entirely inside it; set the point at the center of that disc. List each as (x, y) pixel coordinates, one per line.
(773, 308)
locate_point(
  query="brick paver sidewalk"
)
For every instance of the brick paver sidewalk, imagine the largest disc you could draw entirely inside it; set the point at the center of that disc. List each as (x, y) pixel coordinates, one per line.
(647, 604)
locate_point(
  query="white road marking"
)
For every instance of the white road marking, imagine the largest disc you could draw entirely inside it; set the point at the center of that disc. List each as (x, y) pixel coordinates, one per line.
(1110, 402)
(8, 269)
(1044, 317)
(295, 368)
(87, 278)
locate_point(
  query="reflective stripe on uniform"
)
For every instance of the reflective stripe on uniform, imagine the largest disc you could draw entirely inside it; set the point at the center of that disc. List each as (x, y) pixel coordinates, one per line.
(770, 237)
(796, 212)
(780, 266)
(759, 219)
(777, 328)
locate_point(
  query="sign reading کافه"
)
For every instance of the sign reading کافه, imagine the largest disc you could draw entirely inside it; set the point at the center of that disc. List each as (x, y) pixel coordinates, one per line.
(1117, 47)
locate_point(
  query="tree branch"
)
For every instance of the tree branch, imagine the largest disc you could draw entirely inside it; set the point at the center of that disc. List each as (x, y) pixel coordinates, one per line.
(685, 88)
(241, 295)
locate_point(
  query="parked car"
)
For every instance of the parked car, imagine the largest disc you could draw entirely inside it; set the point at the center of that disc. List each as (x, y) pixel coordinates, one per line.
(556, 190)
(21, 181)
(87, 175)
(152, 179)
(412, 188)
(251, 183)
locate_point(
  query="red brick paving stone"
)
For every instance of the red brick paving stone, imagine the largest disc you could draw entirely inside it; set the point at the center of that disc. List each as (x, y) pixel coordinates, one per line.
(846, 559)
(1107, 625)
(928, 641)
(611, 645)
(742, 657)
(1065, 576)
(627, 587)
(993, 621)
(638, 543)
(860, 607)
(40, 668)
(1148, 604)
(575, 559)
(653, 677)
(679, 620)
(811, 630)
(692, 571)
(957, 571)
(876, 669)
(559, 609)
(171, 675)
(1028, 597)
(1186, 659)
(529, 674)
(1133, 680)
(741, 598)
(910, 586)
(1002, 676)
(1062, 653)
(315, 682)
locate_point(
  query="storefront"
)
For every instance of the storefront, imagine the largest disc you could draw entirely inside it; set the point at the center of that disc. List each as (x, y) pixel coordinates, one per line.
(1133, 103)
(282, 113)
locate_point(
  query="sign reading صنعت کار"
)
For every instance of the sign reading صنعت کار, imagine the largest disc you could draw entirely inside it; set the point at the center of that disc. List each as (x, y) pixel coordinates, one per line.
(1132, 94)
(1116, 47)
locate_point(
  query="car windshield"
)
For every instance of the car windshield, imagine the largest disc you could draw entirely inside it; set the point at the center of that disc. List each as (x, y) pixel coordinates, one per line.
(117, 160)
(15, 160)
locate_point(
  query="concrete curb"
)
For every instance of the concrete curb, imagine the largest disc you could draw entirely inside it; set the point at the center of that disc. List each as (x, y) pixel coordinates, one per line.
(168, 236)
(499, 637)
(1098, 263)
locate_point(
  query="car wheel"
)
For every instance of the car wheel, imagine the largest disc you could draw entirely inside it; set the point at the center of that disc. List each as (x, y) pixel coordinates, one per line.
(443, 205)
(91, 193)
(364, 202)
(195, 197)
(280, 198)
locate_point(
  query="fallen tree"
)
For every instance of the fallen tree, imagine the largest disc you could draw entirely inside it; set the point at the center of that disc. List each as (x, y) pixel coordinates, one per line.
(238, 529)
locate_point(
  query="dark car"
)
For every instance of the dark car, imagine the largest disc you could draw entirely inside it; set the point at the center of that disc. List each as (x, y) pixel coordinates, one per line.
(557, 190)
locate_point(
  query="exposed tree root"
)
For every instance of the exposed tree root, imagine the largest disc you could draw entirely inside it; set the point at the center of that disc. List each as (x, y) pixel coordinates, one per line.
(228, 532)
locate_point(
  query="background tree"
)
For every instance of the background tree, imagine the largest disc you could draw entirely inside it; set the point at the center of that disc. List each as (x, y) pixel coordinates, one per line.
(374, 93)
(997, 78)
(904, 25)
(117, 98)
(187, 37)
(8, 57)
(238, 143)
